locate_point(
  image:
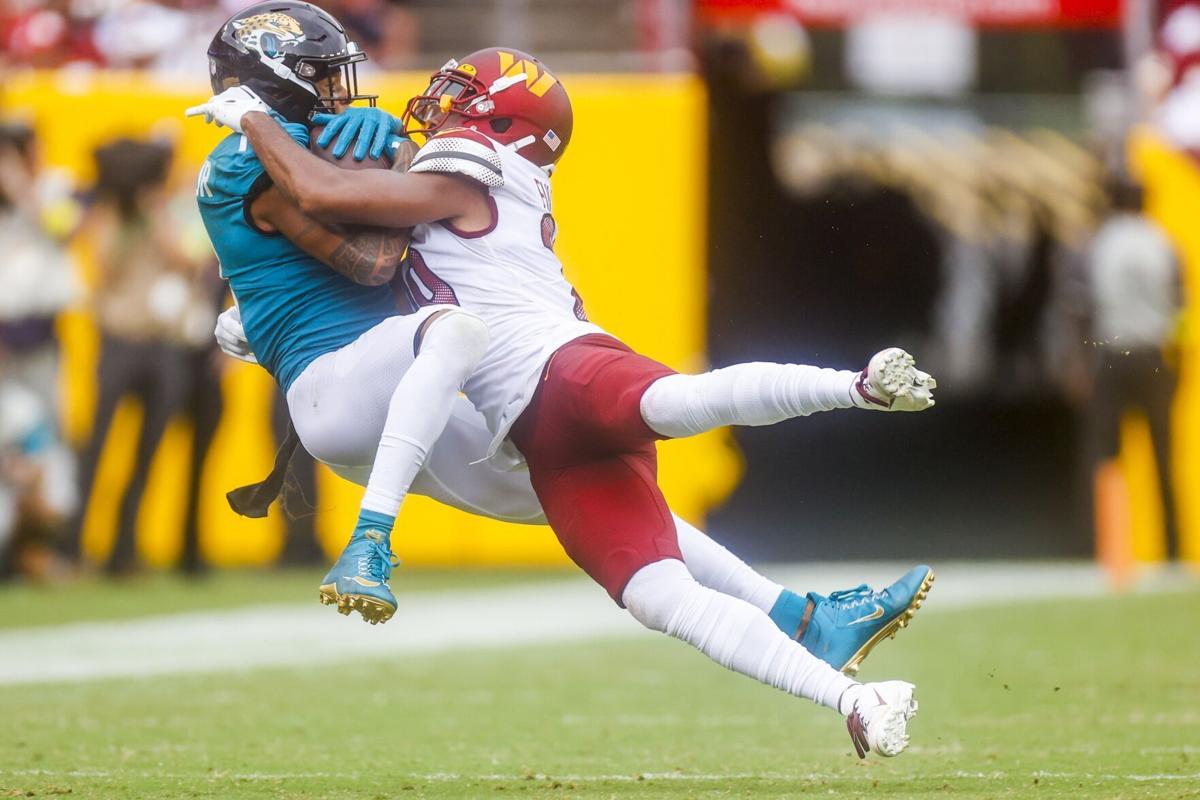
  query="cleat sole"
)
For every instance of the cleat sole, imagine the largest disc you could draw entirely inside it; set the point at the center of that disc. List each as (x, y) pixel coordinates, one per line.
(890, 630)
(372, 610)
(896, 372)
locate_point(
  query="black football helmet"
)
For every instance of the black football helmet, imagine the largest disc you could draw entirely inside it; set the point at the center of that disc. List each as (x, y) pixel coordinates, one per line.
(284, 51)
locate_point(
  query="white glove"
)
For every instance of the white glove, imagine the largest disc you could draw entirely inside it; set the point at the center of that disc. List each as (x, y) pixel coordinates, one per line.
(892, 382)
(231, 336)
(228, 107)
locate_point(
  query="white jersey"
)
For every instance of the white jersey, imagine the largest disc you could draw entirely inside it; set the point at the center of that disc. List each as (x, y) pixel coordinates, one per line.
(507, 274)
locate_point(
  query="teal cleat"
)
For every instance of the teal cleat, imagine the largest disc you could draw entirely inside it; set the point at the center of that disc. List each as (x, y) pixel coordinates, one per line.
(358, 580)
(841, 629)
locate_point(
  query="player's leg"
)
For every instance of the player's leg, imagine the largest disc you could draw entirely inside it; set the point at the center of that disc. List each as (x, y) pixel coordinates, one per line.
(844, 626)
(763, 394)
(594, 396)
(1156, 391)
(840, 629)
(613, 521)
(383, 399)
(451, 344)
(456, 474)
(712, 565)
(665, 597)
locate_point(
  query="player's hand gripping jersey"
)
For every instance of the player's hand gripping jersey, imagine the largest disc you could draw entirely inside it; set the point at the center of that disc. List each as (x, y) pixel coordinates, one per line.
(507, 274)
(294, 308)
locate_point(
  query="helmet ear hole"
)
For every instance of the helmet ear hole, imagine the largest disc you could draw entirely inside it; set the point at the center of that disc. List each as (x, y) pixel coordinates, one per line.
(501, 125)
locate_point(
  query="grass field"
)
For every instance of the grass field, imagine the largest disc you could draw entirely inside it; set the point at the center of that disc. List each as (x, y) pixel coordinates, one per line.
(1095, 698)
(151, 594)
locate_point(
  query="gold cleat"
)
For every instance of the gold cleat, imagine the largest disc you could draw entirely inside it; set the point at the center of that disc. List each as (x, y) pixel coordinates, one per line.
(358, 581)
(890, 630)
(371, 610)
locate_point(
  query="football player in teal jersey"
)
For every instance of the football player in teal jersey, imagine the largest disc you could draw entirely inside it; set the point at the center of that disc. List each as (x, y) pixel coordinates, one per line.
(365, 385)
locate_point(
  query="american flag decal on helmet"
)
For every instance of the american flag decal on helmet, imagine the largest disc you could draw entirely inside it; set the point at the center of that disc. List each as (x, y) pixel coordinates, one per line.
(552, 141)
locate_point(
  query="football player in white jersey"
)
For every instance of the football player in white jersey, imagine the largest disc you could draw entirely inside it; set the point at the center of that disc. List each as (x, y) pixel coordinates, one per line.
(576, 406)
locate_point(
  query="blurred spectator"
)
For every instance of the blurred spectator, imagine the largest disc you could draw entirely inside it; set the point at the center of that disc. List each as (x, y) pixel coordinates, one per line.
(46, 33)
(1178, 111)
(31, 470)
(171, 36)
(204, 404)
(37, 214)
(168, 36)
(149, 313)
(1135, 284)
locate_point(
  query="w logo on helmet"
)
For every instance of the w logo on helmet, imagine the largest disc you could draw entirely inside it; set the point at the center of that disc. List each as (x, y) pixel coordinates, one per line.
(537, 83)
(268, 34)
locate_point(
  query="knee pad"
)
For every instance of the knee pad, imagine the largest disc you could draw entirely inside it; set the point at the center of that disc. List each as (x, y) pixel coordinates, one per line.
(458, 333)
(657, 591)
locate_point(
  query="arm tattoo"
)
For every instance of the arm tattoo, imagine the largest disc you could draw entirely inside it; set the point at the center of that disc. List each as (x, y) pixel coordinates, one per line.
(369, 256)
(402, 158)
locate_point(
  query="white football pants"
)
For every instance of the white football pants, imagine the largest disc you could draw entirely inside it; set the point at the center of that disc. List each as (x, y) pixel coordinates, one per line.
(340, 403)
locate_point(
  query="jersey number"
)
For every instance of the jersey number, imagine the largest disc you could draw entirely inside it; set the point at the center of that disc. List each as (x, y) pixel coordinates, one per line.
(580, 314)
(202, 187)
(549, 235)
(423, 287)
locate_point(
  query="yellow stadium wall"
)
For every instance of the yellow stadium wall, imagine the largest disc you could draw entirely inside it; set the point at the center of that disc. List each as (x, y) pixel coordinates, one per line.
(631, 236)
(1172, 181)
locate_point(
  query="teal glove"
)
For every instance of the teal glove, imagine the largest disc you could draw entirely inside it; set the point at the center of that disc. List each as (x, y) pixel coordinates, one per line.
(371, 129)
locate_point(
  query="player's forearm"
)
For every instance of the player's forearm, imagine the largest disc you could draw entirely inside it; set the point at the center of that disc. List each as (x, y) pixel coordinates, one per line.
(318, 188)
(369, 257)
(371, 197)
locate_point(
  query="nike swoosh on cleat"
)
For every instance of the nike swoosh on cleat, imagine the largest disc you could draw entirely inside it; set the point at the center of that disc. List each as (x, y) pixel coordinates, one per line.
(365, 582)
(876, 614)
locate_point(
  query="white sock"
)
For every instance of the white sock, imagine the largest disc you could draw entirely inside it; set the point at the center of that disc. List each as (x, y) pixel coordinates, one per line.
(664, 597)
(745, 394)
(421, 405)
(717, 568)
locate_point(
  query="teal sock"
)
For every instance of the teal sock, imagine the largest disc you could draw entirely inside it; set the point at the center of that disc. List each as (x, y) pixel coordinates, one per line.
(788, 611)
(373, 520)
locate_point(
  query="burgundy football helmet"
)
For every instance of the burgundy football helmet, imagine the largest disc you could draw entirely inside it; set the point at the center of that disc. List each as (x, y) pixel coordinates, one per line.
(504, 94)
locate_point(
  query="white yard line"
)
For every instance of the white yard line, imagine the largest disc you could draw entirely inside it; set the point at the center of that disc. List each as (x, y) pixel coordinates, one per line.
(268, 636)
(263, 636)
(450, 777)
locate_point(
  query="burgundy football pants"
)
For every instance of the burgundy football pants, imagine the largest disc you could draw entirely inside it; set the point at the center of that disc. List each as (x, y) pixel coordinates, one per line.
(592, 459)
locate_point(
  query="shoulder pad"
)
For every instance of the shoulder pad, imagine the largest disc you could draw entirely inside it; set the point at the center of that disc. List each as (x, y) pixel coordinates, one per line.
(461, 151)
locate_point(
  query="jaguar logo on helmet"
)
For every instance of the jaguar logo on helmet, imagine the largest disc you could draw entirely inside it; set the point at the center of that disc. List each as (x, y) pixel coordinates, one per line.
(268, 34)
(292, 54)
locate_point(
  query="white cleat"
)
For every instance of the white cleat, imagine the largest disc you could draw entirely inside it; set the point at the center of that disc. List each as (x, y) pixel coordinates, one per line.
(892, 382)
(879, 721)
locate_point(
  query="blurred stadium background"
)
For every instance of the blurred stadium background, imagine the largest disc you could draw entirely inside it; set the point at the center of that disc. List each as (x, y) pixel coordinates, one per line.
(982, 182)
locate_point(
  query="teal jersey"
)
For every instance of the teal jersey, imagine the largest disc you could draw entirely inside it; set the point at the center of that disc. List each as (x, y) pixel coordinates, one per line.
(294, 308)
